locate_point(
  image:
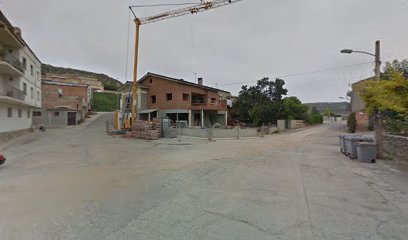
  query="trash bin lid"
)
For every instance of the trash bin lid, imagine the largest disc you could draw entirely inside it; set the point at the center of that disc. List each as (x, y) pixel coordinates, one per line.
(366, 144)
(359, 138)
(352, 136)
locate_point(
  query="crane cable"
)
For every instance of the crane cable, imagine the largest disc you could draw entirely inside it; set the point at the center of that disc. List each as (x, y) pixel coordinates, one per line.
(191, 49)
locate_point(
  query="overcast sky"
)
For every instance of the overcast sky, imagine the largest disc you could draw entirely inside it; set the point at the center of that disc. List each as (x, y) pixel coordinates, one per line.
(238, 43)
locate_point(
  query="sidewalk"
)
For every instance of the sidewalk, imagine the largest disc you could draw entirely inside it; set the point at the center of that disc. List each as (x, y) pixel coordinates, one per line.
(32, 136)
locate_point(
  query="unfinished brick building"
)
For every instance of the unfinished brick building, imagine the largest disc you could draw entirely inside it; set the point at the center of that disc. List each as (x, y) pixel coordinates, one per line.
(63, 104)
(179, 100)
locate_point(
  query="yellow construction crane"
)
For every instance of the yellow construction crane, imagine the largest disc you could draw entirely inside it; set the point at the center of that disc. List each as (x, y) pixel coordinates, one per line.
(203, 6)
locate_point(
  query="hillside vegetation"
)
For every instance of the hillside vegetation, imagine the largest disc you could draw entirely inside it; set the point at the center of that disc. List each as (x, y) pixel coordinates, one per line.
(335, 107)
(108, 82)
(104, 102)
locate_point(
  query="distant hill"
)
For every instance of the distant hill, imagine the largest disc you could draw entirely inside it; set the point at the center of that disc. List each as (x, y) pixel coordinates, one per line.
(336, 107)
(108, 82)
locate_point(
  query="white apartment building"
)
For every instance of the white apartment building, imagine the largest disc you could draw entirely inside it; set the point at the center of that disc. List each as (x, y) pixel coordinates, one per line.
(20, 79)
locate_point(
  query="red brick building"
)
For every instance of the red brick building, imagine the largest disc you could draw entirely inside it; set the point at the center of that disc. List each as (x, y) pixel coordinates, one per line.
(62, 104)
(180, 100)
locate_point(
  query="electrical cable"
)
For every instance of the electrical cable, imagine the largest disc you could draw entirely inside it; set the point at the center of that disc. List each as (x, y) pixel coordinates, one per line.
(303, 73)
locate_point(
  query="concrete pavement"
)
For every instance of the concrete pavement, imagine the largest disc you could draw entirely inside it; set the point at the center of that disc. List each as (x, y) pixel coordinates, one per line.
(83, 184)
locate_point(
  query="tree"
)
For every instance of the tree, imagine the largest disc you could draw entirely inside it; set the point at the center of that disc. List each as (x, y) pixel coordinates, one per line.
(328, 112)
(294, 109)
(387, 95)
(314, 116)
(399, 66)
(265, 92)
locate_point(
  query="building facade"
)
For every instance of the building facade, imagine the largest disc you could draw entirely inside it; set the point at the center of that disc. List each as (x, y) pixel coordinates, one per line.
(20, 79)
(95, 84)
(165, 97)
(63, 104)
(364, 122)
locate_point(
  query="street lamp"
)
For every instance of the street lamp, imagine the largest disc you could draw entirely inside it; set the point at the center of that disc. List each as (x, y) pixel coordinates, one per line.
(376, 55)
(377, 69)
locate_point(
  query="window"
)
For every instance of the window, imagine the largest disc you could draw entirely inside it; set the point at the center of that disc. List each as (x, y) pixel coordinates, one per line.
(77, 106)
(151, 80)
(213, 100)
(38, 75)
(10, 50)
(24, 63)
(56, 114)
(169, 96)
(25, 88)
(28, 113)
(36, 114)
(9, 112)
(20, 113)
(32, 70)
(153, 98)
(38, 95)
(32, 92)
(186, 97)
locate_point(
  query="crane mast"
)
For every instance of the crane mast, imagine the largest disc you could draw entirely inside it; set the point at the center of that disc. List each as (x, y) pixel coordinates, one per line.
(204, 6)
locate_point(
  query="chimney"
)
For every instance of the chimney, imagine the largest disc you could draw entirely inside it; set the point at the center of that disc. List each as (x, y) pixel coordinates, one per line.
(200, 81)
(17, 31)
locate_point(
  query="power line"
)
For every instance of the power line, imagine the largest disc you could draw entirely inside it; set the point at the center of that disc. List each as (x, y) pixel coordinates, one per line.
(303, 73)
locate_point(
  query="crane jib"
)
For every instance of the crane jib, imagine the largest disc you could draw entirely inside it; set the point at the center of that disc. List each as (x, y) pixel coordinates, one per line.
(187, 10)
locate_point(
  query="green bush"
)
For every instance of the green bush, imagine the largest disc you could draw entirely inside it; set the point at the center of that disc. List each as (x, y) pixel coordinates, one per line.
(351, 122)
(314, 118)
(104, 102)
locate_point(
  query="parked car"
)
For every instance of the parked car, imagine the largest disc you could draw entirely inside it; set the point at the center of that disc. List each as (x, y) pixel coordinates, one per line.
(2, 159)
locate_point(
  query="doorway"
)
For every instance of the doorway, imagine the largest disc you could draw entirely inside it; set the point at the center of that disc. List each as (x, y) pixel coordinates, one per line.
(71, 118)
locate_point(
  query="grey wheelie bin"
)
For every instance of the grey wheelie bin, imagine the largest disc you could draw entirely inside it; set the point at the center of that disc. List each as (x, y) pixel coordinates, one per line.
(350, 143)
(366, 152)
(342, 143)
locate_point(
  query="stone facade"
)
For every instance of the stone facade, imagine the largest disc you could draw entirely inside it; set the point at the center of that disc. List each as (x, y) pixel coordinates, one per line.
(396, 147)
(362, 121)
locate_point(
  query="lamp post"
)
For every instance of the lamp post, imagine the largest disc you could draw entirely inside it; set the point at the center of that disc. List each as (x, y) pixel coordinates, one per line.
(377, 70)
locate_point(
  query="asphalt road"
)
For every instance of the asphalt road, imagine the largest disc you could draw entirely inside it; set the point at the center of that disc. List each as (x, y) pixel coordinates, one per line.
(79, 183)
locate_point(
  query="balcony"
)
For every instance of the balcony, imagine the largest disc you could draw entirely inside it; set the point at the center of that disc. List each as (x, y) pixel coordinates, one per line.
(6, 35)
(201, 102)
(10, 65)
(12, 95)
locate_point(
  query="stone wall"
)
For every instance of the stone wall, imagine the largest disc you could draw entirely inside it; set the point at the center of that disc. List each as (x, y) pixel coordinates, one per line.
(396, 147)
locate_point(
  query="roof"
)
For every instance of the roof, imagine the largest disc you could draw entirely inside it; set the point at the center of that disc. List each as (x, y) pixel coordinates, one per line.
(43, 81)
(11, 28)
(361, 81)
(149, 74)
(130, 83)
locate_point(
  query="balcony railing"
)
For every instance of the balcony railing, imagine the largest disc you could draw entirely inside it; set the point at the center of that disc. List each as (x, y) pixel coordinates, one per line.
(12, 92)
(13, 61)
(218, 104)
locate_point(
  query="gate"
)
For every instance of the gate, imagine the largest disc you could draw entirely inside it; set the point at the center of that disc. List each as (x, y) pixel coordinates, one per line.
(71, 118)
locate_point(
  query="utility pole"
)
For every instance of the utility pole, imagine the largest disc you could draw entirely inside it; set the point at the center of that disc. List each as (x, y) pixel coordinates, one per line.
(378, 118)
(379, 121)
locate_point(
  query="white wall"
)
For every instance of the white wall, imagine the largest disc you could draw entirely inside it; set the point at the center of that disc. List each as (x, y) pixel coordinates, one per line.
(14, 123)
(33, 80)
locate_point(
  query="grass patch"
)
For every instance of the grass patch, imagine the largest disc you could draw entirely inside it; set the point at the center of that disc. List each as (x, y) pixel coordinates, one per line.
(104, 102)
